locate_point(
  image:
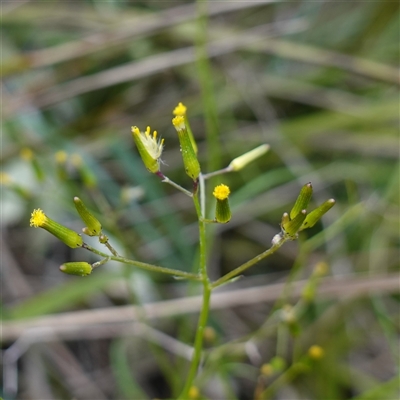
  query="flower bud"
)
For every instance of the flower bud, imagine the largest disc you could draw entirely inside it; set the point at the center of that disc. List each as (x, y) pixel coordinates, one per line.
(316, 214)
(292, 226)
(150, 148)
(93, 226)
(40, 220)
(80, 268)
(302, 201)
(222, 209)
(190, 161)
(240, 162)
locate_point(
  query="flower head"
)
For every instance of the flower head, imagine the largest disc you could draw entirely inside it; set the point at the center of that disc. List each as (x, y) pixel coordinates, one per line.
(40, 220)
(221, 192)
(222, 208)
(180, 109)
(150, 148)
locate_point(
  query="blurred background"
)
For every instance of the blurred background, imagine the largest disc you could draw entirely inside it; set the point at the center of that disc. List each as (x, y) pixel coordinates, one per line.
(318, 81)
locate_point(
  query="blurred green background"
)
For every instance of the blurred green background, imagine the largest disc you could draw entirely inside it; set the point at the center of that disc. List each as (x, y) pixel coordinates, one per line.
(318, 81)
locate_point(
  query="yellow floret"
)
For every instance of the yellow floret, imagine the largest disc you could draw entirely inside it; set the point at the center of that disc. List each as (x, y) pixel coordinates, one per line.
(221, 192)
(179, 122)
(180, 109)
(38, 218)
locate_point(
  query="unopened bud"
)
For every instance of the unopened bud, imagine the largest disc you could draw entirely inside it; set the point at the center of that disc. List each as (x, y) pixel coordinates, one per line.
(93, 226)
(240, 162)
(316, 214)
(79, 268)
(302, 200)
(292, 227)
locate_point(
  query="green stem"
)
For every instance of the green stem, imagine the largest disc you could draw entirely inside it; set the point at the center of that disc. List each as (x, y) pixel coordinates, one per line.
(198, 342)
(148, 267)
(215, 173)
(249, 263)
(165, 179)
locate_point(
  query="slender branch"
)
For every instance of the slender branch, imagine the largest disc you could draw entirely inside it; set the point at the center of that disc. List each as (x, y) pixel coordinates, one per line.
(219, 172)
(249, 263)
(165, 179)
(109, 247)
(148, 267)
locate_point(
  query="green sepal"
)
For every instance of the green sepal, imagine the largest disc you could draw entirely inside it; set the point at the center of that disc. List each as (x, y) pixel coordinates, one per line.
(316, 214)
(80, 268)
(191, 136)
(302, 201)
(223, 211)
(66, 235)
(292, 227)
(190, 161)
(149, 162)
(93, 226)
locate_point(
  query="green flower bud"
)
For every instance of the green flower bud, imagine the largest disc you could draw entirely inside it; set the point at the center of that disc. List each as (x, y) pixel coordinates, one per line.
(190, 161)
(240, 162)
(316, 214)
(40, 220)
(302, 201)
(93, 226)
(80, 268)
(292, 227)
(103, 239)
(222, 209)
(150, 148)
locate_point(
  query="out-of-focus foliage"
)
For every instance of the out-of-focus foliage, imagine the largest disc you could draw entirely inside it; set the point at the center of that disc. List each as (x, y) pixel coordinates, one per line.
(318, 81)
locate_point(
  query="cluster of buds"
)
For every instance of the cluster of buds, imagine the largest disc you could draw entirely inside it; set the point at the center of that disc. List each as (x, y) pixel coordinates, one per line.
(297, 220)
(72, 239)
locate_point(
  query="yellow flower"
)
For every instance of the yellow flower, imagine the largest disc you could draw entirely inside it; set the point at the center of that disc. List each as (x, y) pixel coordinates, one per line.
(316, 352)
(150, 148)
(180, 109)
(40, 220)
(221, 192)
(222, 209)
